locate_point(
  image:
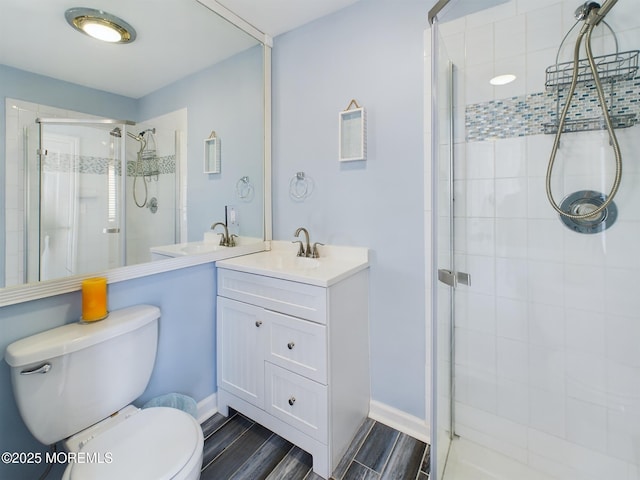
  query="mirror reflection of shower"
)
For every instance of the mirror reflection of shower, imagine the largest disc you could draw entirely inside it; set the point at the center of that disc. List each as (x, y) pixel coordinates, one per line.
(146, 164)
(79, 213)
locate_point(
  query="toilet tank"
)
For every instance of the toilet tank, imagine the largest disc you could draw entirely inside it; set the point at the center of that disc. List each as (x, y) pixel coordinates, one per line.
(85, 371)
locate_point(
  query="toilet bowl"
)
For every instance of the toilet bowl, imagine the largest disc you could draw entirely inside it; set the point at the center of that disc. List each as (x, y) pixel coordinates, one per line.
(68, 381)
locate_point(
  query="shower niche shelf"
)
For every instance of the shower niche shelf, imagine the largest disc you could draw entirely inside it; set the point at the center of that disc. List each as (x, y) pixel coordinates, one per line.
(611, 68)
(589, 124)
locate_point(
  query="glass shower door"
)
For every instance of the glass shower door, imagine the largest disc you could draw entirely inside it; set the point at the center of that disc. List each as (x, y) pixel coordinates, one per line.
(79, 204)
(444, 278)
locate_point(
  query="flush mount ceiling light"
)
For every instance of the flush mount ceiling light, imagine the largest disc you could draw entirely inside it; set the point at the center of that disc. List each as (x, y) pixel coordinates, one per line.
(100, 25)
(502, 79)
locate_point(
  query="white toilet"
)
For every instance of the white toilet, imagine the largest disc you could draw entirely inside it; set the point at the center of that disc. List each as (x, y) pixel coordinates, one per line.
(75, 382)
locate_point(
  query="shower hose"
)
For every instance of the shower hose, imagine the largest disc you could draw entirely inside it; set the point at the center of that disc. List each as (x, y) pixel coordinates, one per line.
(136, 174)
(587, 29)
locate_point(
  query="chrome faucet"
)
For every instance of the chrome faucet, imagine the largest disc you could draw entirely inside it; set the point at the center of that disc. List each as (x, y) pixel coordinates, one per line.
(225, 239)
(305, 250)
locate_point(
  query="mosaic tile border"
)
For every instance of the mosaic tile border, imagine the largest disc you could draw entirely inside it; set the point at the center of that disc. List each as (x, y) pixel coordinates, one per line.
(55, 162)
(527, 114)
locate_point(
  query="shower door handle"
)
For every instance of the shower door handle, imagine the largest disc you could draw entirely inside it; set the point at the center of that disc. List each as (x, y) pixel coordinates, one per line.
(453, 278)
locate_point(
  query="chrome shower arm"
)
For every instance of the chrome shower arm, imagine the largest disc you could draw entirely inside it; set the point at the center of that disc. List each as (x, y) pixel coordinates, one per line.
(597, 14)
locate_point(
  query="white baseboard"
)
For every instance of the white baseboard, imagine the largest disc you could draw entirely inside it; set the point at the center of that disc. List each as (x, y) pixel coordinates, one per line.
(207, 407)
(401, 421)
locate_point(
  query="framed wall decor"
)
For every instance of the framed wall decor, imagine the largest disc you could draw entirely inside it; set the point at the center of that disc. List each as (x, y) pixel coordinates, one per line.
(212, 154)
(352, 130)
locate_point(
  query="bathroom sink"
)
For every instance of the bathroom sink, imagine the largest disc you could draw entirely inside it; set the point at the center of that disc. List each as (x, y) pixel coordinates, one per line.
(191, 248)
(210, 244)
(200, 247)
(335, 263)
(285, 261)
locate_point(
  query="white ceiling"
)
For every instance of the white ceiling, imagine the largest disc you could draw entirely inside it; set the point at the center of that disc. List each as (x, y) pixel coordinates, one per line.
(175, 38)
(274, 17)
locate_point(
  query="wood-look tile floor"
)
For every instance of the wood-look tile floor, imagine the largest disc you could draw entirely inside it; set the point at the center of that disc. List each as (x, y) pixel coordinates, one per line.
(237, 448)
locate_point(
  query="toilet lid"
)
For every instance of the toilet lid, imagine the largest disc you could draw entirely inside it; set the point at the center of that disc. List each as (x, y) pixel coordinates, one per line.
(154, 444)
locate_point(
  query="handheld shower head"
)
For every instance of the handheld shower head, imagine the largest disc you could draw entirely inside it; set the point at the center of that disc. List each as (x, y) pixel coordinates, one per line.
(135, 137)
(596, 14)
(152, 130)
(582, 12)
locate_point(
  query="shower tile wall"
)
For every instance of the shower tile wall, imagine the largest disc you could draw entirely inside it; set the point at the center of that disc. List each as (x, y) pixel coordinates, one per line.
(548, 364)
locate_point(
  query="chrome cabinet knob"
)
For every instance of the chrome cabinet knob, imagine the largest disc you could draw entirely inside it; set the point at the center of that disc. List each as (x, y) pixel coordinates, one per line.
(290, 345)
(292, 400)
(258, 323)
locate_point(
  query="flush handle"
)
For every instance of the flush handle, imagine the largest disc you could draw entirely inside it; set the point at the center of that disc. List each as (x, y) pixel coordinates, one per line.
(41, 369)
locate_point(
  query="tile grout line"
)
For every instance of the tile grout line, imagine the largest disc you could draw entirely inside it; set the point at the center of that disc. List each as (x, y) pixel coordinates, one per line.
(353, 459)
(283, 458)
(386, 462)
(227, 447)
(424, 454)
(368, 468)
(254, 452)
(228, 419)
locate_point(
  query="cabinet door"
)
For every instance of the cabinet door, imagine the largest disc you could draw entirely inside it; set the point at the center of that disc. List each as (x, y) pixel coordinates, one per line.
(240, 344)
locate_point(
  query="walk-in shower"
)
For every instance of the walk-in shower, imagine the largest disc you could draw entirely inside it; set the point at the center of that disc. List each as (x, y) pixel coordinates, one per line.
(535, 365)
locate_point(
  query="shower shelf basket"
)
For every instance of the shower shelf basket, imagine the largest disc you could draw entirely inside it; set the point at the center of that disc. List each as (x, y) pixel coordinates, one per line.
(611, 68)
(150, 165)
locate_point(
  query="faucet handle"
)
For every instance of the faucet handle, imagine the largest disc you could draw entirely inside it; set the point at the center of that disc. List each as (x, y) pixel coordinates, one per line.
(301, 249)
(315, 253)
(232, 241)
(223, 240)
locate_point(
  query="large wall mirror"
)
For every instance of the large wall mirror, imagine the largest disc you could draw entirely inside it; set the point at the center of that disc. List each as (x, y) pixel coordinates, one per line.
(101, 143)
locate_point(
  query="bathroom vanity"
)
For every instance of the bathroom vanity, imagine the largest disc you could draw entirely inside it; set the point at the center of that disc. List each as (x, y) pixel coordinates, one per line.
(293, 345)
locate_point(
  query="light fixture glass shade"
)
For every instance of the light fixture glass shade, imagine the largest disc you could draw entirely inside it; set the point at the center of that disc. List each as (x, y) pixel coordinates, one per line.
(100, 25)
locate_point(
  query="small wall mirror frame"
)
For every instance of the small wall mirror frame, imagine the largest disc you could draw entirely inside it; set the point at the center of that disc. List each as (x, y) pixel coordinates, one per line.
(212, 154)
(352, 130)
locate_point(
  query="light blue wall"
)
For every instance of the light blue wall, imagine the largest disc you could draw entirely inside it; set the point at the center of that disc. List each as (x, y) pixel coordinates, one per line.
(373, 52)
(186, 345)
(227, 98)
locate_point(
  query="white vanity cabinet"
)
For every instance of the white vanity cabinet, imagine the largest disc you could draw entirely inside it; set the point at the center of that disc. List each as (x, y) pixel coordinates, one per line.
(294, 357)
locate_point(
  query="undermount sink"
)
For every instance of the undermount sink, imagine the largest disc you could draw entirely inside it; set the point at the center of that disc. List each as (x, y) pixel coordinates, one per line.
(286, 261)
(191, 248)
(210, 244)
(200, 247)
(334, 263)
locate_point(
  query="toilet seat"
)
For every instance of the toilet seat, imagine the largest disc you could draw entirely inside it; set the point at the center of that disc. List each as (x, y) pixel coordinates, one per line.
(153, 444)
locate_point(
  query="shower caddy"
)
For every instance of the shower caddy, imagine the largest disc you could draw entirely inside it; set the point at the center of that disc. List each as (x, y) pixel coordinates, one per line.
(589, 211)
(612, 68)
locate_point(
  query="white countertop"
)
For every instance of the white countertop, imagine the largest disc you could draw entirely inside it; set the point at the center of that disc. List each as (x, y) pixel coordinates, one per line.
(334, 264)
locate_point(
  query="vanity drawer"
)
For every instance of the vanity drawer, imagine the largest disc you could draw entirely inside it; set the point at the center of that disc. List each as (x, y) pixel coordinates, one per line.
(293, 298)
(297, 345)
(298, 401)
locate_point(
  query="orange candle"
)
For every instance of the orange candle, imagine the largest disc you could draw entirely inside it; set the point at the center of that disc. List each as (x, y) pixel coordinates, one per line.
(94, 299)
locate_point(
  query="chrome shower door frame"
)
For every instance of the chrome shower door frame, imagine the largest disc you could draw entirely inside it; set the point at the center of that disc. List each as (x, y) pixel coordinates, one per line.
(104, 122)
